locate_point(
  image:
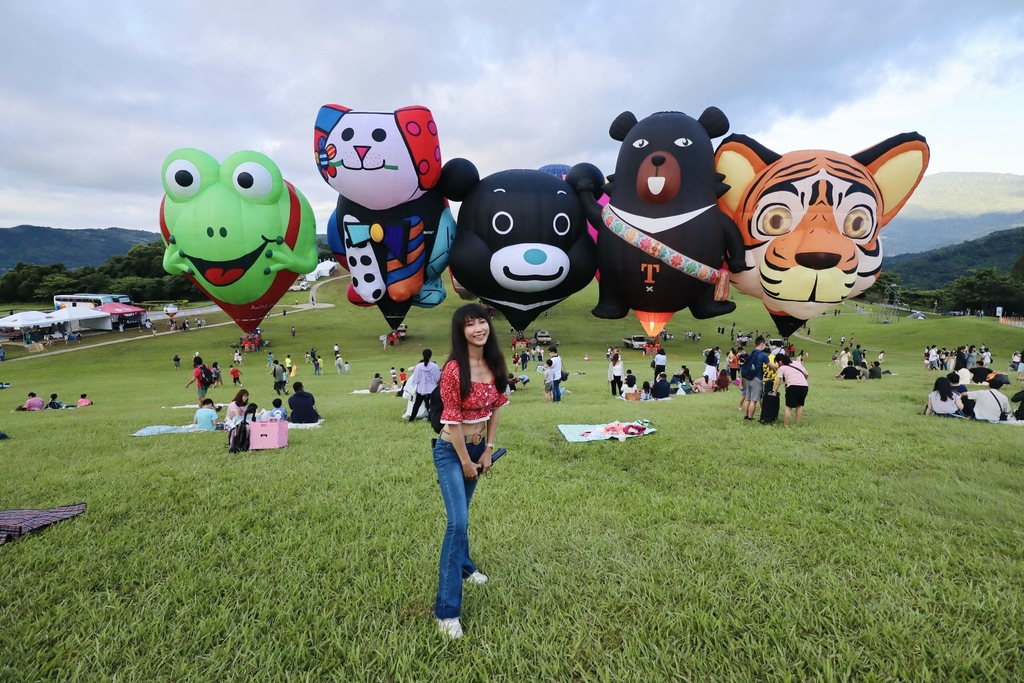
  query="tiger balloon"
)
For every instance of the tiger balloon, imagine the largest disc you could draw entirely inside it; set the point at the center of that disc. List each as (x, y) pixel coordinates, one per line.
(811, 219)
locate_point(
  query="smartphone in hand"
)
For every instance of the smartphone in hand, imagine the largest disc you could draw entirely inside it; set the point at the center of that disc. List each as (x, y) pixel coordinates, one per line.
(494, 458)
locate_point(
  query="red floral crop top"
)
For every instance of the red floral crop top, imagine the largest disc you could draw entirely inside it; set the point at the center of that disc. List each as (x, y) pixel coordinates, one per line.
(483, 398)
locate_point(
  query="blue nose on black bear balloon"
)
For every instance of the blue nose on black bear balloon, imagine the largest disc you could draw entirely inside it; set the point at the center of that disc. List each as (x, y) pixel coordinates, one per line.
(522, 244)
(661, 239)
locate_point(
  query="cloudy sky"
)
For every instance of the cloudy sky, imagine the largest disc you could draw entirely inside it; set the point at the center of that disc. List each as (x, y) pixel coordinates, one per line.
(94, 95)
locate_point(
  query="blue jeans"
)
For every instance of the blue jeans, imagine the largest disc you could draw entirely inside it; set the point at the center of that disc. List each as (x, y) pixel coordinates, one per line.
(457, 491)
(556, 393)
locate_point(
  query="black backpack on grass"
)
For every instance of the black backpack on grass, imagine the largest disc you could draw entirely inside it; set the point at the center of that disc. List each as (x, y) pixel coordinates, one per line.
(238, 438)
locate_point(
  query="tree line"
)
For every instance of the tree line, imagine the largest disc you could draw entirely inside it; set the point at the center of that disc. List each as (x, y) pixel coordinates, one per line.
(977, 290)
(139, 274)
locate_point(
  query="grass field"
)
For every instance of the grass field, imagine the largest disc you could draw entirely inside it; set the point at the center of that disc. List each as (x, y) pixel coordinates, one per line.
(870, 543)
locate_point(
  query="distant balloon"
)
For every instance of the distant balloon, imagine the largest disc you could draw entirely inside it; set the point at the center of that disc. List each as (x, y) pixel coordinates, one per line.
(391, 229)
(522, 244)
(821, 213)
(170, 310)
(238, 230)
(662, 239)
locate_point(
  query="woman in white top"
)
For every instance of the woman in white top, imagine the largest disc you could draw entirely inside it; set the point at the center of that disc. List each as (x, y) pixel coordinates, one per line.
(615, 374)
(943, 400)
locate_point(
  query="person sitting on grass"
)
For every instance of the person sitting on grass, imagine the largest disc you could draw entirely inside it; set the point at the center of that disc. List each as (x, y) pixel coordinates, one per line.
(943, 401)
(850, 372)
(875, 371)
(33, 403)
(661, 388)
(376, 384)
(237, 406)
(989, 404)
(303, 405)
(54, 404)
(84, 401)
(206, 417)
(278, 410)
(682, 376)
(630, 391)
(645, 392)
(956, 384)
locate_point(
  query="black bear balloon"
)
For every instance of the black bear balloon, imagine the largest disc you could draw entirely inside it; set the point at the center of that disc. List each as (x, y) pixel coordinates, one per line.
(662, 239)
(522, 244)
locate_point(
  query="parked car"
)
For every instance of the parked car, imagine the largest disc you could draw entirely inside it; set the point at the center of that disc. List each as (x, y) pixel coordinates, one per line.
(542, 337)
(300, 286)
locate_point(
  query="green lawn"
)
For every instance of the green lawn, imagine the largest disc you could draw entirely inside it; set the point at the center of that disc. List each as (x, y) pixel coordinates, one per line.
(870, 543)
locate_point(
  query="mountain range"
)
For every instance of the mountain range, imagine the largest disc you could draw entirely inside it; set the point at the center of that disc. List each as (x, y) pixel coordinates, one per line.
(946, 209)
(949, 208)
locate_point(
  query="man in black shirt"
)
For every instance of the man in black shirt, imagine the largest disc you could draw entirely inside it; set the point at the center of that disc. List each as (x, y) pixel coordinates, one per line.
(849, 372)
(302, 404)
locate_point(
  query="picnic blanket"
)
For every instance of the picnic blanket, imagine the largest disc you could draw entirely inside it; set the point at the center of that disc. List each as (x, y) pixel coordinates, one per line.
(193, 429)
(611, 430)
(14, 523)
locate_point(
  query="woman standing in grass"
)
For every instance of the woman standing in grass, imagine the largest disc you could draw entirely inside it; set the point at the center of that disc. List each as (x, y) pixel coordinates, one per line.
(615, 373)
(473, 385)
(793, 373)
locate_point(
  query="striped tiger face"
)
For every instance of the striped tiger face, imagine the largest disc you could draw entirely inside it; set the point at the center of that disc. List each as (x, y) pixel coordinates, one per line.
(810, 220)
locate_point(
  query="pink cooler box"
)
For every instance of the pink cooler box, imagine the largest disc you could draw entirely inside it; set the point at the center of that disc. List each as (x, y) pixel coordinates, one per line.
(271, 434)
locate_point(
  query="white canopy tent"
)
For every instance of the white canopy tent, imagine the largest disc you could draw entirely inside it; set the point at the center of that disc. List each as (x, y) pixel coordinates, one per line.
(67, 320)
(77, 318)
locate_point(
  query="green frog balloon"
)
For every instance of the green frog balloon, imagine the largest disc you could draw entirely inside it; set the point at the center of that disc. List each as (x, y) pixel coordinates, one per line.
(238, 230)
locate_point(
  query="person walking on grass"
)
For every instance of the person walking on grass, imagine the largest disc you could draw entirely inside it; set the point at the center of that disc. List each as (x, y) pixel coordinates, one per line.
(425, 377)
(556, 364)
(236, 376)
(473, 385)
(793, 374)
(280, 378)
(177, 362)
(753, 387)
(202, 383)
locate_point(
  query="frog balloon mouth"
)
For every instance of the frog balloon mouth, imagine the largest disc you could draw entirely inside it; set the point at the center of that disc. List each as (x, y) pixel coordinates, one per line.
(224, 273)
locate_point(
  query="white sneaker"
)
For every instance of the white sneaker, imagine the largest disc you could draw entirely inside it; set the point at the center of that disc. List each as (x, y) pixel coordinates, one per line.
(477, 577)
(450, 627)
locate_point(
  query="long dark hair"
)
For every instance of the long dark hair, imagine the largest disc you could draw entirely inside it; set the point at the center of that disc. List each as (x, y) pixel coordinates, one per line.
(427, 355)
(944, 388)
(493, 356)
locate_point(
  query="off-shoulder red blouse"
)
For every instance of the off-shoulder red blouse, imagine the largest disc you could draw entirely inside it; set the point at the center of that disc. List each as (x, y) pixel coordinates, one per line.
(483, 398)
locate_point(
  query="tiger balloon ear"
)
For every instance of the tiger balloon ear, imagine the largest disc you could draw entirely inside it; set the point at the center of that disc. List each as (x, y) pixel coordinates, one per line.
(897, 164)
(740, 159)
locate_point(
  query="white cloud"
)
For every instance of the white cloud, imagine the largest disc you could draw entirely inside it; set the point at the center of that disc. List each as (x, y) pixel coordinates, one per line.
(103, 91)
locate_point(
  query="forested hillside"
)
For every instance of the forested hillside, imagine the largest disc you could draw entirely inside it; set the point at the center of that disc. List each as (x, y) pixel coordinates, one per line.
(937, 268)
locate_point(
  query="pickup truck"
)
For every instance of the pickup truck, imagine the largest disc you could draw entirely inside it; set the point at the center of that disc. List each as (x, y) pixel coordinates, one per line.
(637, 341)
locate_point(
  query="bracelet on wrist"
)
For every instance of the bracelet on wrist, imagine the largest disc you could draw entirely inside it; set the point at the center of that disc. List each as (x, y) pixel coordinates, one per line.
(490, 445)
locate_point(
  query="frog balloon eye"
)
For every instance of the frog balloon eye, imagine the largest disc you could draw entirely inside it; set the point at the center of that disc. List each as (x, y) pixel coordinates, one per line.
(252, 180)
(683, 142)
(182, 179)
(641, 143)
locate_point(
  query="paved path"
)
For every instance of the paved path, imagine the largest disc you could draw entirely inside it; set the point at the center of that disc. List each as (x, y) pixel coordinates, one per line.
(125, 337)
